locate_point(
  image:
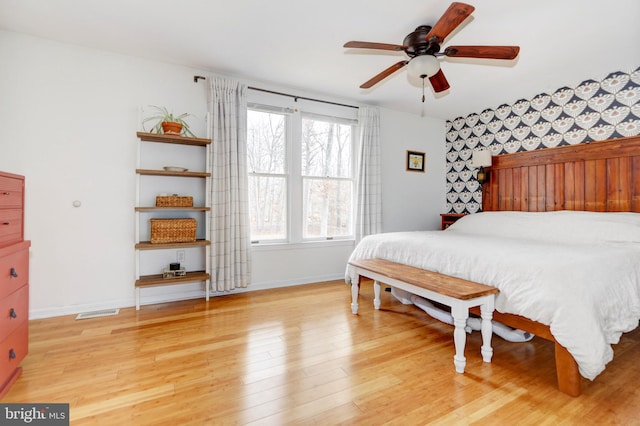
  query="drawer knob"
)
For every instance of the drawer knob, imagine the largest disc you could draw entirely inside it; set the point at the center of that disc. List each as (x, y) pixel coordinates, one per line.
(12, 313)
(6, 223)
(6, 193)
(14, 274)
(12, 354)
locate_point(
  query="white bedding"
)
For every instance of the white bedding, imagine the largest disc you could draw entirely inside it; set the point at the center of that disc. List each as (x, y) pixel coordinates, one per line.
(578, 272)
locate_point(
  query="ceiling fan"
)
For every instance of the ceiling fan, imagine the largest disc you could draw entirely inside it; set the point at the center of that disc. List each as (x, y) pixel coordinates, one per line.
(423, 47)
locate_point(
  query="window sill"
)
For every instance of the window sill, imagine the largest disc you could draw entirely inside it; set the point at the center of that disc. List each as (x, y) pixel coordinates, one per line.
(302, 245)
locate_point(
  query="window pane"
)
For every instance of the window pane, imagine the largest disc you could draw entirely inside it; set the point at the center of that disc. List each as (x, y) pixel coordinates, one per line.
(265, 142)
(268, 207)
(326, 148)
(327, 208)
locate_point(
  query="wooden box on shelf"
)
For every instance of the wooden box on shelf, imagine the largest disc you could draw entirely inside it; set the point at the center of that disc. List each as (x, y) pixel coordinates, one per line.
(174, 201)
(173, 230)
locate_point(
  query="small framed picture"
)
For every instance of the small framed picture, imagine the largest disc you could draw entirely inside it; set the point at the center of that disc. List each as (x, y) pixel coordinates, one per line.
(415, 161)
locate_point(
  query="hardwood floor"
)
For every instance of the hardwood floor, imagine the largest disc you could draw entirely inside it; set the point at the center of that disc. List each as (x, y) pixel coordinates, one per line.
(298, 356)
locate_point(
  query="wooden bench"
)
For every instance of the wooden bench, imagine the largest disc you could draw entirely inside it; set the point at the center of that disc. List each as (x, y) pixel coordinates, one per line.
(457, 293)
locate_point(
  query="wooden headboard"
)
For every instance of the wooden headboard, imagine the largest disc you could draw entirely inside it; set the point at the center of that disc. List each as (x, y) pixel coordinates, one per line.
(595, 176)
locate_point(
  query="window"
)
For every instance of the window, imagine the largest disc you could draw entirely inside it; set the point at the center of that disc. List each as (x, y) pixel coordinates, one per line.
(326, 176)
(300, 176)
(267, 166)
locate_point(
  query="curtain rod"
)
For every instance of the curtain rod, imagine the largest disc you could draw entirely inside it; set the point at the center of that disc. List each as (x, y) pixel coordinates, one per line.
(295, 97)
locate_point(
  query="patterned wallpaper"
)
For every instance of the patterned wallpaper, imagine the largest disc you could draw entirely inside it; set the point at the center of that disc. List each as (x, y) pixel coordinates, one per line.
(592, 111)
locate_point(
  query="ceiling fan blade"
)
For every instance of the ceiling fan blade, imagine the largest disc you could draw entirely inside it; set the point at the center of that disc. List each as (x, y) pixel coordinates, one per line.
(452, 17)
(439, 82)
(384, 74)
(370, 45)
(487, 52)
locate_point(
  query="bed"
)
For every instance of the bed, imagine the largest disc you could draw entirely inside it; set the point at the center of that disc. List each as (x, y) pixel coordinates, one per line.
(559, 236)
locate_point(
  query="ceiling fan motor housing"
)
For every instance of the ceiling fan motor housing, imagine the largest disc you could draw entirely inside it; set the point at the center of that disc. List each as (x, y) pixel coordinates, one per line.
(417, 43)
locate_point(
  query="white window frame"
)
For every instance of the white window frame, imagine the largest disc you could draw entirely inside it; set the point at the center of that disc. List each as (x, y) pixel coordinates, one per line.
(287, 168)
(293, 142)
(343, 121)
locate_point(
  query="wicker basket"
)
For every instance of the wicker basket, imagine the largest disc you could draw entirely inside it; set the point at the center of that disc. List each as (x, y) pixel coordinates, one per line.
(173, 231)
(173, 201)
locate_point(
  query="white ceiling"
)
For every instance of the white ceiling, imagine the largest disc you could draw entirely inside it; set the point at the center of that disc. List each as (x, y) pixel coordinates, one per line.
(298, 43)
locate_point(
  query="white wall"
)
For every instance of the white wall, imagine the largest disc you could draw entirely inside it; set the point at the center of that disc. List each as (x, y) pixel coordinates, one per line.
(69, 116)
(412, 200)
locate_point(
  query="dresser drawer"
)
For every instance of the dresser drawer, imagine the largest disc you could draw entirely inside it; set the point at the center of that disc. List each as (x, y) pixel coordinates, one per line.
(11, 190)
(10, 199)
(13, 349)
(10, 226)
(14, 310)
(14, 267)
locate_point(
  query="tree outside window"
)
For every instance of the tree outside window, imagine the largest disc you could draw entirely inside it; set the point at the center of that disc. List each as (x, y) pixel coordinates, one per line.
(326, 176)
(266, 150)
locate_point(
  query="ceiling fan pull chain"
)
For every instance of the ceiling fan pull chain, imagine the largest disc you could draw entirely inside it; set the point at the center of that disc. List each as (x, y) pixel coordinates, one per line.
(422, 89)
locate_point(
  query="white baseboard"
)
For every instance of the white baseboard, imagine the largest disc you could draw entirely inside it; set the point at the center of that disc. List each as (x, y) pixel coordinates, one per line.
(77, 309)
(277, 284)
(171, 297)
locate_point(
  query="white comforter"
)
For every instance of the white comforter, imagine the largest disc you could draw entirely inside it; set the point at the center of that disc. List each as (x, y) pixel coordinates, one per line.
(577, 272)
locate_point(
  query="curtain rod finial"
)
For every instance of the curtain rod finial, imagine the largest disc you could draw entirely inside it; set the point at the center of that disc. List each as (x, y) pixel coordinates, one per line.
(198, 77)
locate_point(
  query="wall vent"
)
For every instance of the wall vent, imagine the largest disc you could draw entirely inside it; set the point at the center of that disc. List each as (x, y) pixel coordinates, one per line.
(97, 314)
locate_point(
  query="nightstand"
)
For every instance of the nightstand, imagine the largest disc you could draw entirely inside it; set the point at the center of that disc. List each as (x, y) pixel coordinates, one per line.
(449, 219)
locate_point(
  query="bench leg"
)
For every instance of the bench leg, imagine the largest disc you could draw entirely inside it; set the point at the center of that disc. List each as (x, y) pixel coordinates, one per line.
(355, 289)
(376, 294)
(460, 315)
(486, 312)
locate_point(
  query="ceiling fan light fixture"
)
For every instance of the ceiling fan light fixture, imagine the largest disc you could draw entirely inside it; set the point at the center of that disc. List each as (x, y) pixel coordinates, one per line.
(423, 66)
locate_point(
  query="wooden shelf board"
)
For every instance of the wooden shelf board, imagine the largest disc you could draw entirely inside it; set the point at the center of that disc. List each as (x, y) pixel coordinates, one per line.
(157, 280)
(149, 172)
(175, 139)
(151, 209)
(146, 245)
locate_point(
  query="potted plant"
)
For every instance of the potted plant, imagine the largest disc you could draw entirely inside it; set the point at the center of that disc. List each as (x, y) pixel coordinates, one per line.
(169, 123)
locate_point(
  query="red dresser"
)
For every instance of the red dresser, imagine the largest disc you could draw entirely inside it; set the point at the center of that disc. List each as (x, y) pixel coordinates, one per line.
(14, 280)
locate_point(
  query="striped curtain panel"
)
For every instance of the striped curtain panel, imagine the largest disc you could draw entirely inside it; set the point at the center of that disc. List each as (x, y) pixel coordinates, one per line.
(230, 240)
(368, 179)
